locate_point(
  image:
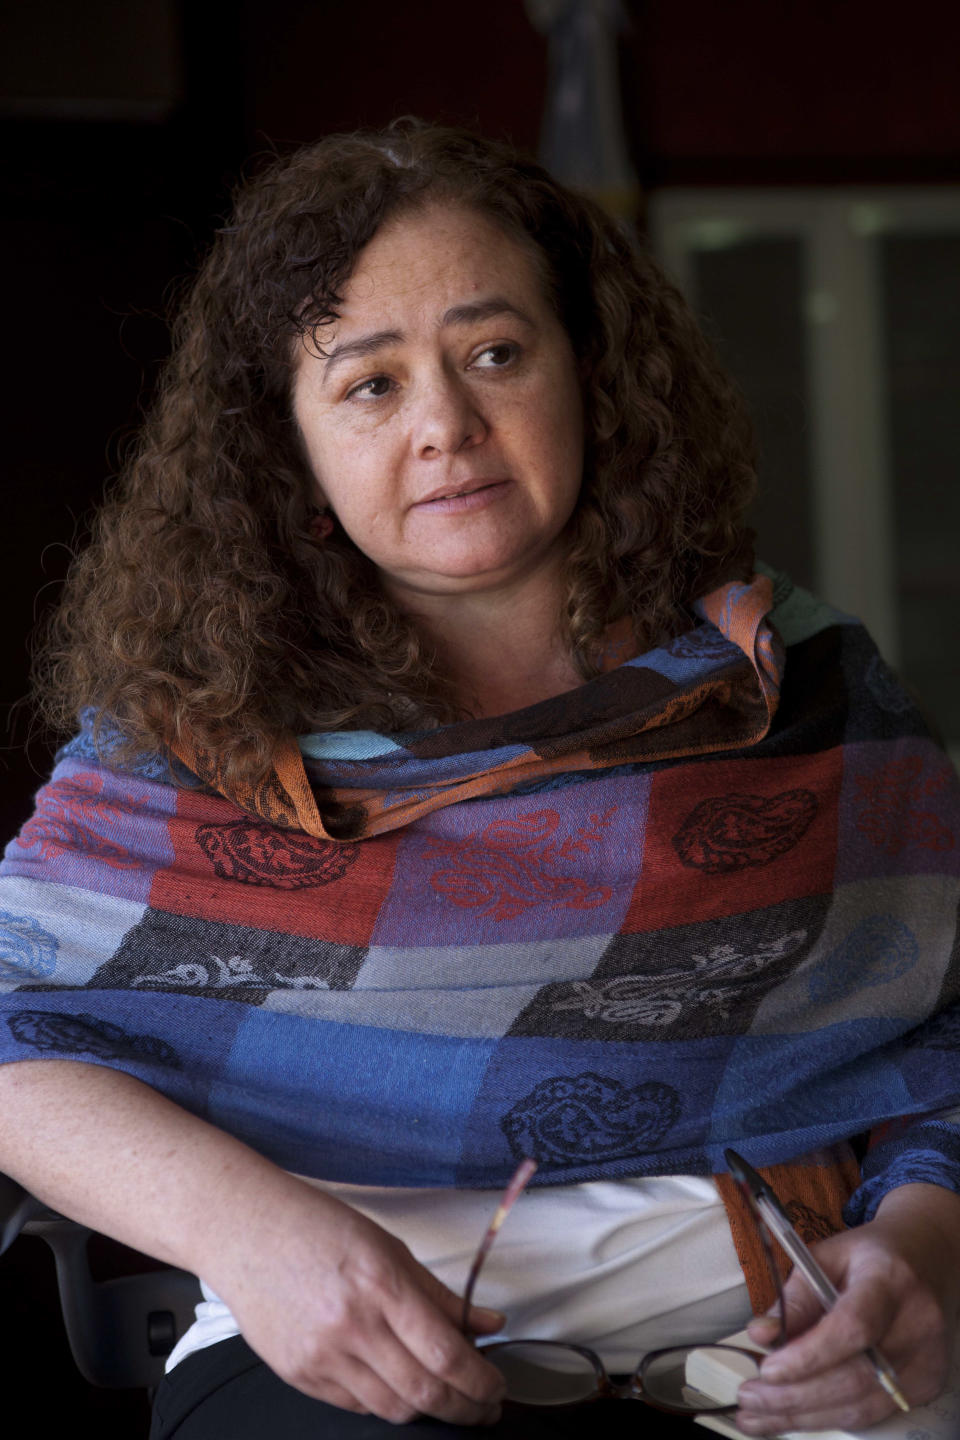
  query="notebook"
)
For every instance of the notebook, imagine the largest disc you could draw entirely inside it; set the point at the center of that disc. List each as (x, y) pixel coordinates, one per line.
(940, 1420)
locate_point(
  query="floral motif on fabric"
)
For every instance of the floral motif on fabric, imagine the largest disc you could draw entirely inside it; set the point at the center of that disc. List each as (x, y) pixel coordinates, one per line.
(715, 980)
(513, 865)
(704, 643)
(235, 972)
(886, 688)
(208, 974)
(268, 800)
(83, 1034)
(590, 1117)
(940, 1032)
(56, 824)
(878, 950)
(27, 951)
(810, 1224)
(739, 832)
(257, 854)
(893, 809)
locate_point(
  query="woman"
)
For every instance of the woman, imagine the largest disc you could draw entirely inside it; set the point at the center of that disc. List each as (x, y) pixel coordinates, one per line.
(444, 796)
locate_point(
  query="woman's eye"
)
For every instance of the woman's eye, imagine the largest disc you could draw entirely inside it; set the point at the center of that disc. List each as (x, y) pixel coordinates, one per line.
(495, 357)
(373, 389)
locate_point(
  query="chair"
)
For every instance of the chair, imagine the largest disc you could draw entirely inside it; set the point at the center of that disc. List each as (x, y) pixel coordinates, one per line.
(120, 1331)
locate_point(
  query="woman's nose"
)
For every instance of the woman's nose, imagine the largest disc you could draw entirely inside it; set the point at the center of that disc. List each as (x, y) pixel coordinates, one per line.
(446, 418)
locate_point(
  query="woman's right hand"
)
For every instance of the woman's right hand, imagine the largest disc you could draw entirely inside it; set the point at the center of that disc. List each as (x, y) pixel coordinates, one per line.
(332, 1303)
(341, 1310)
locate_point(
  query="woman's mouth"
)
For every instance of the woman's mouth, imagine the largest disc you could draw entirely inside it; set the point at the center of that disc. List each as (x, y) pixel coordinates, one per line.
(472, 495)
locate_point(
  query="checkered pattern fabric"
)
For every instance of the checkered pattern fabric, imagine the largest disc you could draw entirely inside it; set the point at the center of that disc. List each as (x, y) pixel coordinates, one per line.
(681, 908)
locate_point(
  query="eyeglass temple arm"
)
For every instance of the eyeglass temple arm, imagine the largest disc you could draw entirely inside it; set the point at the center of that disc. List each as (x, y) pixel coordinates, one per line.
(745, 1174)
(772, 1218)
(773, 1214)
(765, 1198)
(521, 1178)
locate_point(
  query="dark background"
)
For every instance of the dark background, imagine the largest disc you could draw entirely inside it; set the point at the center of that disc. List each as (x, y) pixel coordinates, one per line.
(124, 124)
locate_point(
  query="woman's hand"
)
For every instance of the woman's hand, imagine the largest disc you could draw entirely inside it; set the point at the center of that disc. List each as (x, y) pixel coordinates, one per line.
(899, 1278)
(341, 1310)
(335, 1305)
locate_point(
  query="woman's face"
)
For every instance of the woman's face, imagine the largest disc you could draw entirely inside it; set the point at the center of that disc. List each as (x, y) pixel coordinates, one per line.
(444, 426)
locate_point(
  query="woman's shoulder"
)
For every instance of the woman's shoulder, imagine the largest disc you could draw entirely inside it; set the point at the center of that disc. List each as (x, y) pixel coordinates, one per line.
(100, 741)
(797, 614)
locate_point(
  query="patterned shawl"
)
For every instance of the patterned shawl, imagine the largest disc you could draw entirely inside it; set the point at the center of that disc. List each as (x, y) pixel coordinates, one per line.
(707, 899)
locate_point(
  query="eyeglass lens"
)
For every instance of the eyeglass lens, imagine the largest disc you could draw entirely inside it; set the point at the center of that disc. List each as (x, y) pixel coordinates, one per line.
(539, 1374)
(697, 1377)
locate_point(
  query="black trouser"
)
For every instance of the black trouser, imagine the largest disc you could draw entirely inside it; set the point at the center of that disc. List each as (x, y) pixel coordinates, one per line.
(225, 1392)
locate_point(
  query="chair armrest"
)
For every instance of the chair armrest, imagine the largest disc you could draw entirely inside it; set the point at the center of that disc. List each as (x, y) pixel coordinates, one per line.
(17, 1208)
(120, 1331)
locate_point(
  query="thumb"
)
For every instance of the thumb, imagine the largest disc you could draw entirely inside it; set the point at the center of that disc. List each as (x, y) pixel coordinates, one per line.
(764, 1329)
(801, 1307)
(480, 1321)
(484, 1321)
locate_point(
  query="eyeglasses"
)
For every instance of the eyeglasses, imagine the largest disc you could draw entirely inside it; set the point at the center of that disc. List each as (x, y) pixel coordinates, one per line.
(553, 1372)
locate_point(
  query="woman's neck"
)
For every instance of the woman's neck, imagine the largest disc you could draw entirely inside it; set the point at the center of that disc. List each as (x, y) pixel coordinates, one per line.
(504, 650)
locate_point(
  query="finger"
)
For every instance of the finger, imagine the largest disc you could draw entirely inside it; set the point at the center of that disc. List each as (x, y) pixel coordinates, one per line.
(332, 1394)
(856, 1416)
(843, 1386)
(860, 1318)
(481, 1320)
(364, 1391)
(437, 1388)
(435, 1339)
(764, 1329)
(801, 1311)
(802, 1307)
(394, 1387)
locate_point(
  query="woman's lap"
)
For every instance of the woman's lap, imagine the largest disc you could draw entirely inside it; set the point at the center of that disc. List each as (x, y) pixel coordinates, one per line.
(225, 1390)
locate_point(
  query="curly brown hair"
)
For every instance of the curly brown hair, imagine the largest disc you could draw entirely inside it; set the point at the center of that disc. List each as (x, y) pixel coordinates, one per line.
(202, 606)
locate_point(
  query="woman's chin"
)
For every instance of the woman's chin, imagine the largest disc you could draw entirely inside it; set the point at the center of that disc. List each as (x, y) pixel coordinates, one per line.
(469, 574)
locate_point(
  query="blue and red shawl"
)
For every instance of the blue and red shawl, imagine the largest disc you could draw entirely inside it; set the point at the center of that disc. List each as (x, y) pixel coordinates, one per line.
(708, 899)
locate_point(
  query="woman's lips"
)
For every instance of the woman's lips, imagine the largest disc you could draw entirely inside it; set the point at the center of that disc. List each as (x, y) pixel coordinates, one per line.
(473, 499)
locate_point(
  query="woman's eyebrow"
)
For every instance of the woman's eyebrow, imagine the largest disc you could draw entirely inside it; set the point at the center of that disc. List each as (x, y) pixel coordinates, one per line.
(363, 345)
(467, 314)
(482, 310)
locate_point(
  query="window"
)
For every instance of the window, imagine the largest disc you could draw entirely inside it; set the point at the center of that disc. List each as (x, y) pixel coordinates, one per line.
(839, 313)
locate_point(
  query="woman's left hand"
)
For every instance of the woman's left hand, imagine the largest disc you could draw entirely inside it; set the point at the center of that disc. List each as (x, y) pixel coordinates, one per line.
(899, 1283)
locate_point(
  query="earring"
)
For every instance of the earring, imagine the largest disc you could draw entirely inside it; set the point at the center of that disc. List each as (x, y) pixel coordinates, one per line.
(320, 526)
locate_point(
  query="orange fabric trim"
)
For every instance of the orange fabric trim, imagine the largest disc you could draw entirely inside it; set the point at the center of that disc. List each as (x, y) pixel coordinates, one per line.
(672, 729)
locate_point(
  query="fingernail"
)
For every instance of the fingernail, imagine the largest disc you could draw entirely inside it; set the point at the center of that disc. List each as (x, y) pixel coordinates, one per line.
(773, 1370)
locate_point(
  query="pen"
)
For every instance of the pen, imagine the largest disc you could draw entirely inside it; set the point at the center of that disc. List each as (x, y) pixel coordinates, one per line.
(773, 1215)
